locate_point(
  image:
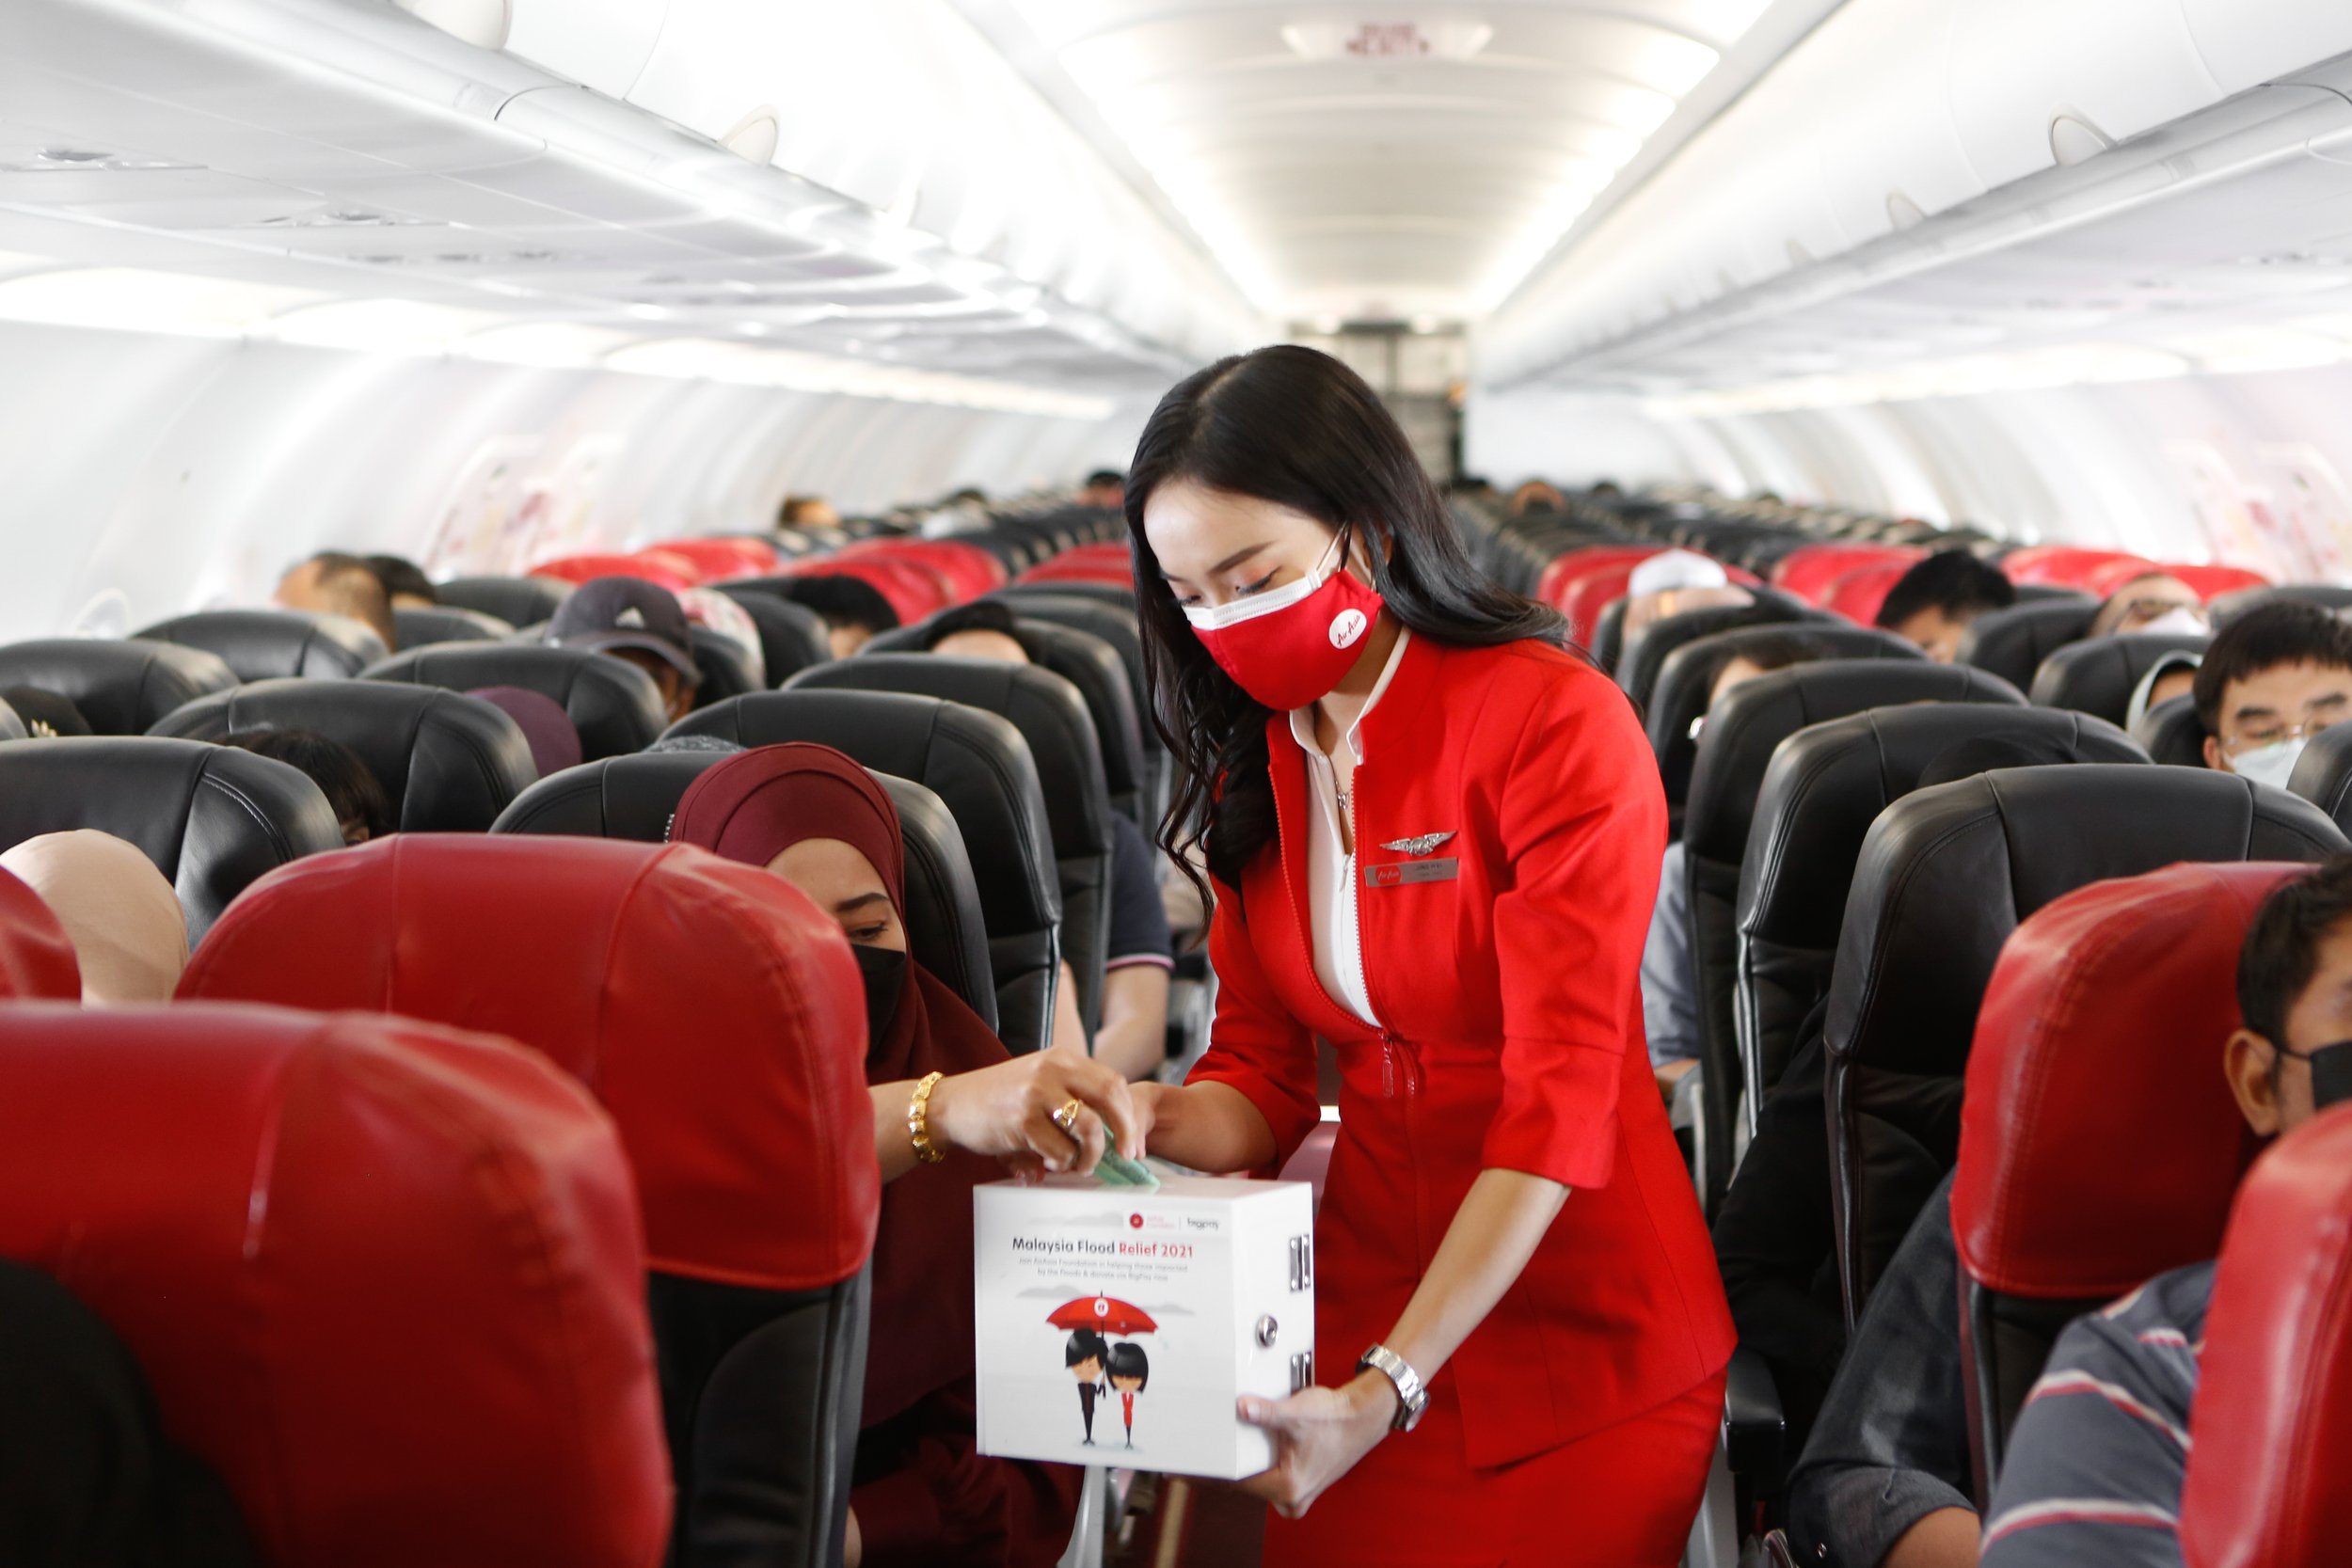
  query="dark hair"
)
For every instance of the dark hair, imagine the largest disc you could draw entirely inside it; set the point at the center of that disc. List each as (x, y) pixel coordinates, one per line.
(402, 576)
(1128, 1360)
(1777, 650)
(1290, 426)
(843, 601)
(1105, 476)
(348, 783)
(2281, 950)
(979, 615)
(1084, 1345)
(1953, 581)
(2282, 632)
(2113, 608)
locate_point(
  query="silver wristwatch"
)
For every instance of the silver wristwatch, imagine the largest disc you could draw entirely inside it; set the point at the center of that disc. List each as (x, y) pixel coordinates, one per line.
(1412, 1398)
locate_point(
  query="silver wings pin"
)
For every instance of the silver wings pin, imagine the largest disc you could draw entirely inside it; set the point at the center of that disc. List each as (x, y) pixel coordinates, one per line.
(1421, 846)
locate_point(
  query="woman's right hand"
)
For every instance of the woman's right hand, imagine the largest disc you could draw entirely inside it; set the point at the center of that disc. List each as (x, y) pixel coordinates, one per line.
(1006, 1111)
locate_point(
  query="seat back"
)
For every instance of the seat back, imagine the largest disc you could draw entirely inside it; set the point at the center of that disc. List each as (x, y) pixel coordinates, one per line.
(2272, 1426)
(614, 706)
(37, 958)
(273, 645)
(384, 1277)
(726, 671)
(791, 636)
(446, 624)
(1638, 665)
(634, 798)
(212, 818)
(1944, 877)
(1117, 595)
(719, 1017)
(2173, 734)
(1053, 718)
(121, 686)
(2098, 677)
(448, 763)
(2012, 642)
(1116, 629)
(980, 766)
(516, 601)
(12, 724)
(2323, 775)
(2327, 596)
(2100, 1038)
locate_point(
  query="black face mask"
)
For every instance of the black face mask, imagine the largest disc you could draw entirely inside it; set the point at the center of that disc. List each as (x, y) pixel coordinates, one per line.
(2332, 1072)
(885, 974)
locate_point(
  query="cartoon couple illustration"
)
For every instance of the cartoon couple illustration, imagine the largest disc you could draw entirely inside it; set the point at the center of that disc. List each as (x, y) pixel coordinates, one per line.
(1090, 1358)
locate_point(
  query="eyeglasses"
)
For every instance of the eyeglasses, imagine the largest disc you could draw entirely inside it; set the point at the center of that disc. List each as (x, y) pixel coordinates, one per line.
(2330, 710)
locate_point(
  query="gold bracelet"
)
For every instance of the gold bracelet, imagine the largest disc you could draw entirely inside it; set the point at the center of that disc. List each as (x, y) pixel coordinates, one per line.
(919, 1121)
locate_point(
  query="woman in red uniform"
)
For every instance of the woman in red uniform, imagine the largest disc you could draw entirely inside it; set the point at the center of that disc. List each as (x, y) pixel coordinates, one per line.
(1434, 837)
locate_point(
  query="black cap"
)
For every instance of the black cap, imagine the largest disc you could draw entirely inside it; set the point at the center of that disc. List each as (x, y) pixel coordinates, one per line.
(605, 614)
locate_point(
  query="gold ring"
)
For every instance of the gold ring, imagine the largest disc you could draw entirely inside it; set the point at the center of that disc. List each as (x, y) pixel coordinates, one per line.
(1065, 1117)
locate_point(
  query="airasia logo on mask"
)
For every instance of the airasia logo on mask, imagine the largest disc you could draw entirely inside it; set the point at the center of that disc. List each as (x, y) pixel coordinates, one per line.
(1346, 627)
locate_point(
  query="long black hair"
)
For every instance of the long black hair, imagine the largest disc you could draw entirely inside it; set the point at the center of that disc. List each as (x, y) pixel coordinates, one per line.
(1297, 428)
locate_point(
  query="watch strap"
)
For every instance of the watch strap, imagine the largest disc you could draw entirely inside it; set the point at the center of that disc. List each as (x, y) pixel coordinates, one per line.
(1411, 1397)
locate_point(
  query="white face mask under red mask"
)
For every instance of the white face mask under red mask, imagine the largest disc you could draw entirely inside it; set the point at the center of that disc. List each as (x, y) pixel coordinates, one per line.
(1289, 645)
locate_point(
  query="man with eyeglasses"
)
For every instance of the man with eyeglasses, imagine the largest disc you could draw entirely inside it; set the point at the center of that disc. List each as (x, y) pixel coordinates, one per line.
(2273, 678)
(2097, 1459)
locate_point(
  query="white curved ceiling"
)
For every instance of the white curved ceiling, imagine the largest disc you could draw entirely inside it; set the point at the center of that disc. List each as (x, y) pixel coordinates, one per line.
(1375, 160)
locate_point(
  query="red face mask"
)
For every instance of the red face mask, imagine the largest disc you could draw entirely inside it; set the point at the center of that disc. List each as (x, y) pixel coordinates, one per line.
(1290, 646)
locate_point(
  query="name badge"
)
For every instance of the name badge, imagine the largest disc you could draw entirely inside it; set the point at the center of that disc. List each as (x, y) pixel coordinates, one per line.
(1398, 873)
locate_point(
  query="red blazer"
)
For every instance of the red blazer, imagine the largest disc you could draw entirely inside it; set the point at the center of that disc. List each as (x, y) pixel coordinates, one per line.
(1510, 995)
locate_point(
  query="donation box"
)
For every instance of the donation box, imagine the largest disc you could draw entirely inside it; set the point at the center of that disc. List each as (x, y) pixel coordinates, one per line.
(1118, 1326)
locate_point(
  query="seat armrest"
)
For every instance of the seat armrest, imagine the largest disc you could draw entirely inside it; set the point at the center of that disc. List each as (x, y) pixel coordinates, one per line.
(1756, 1433)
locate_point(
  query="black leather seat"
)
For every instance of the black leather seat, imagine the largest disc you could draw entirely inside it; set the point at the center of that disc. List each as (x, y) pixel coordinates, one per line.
(1108, 593)
(614, 706)
(2012, 642)
(516, 601)
(980, 766)
(2327, 596)
(273, 645)
(791, 636)
(121, 686)
(634, 798)
(446, 624)
(1944, 877)
(1679, 696)
(1741, 739)
(2172, 734)
(1608, 643)
(448, 763)
(1117, 628)
(1052, 717)
(1637, 671)
(724, 669)
(212, 818)
(1811, 803)
(2323, 775)
(2098, 676)
(11, 723)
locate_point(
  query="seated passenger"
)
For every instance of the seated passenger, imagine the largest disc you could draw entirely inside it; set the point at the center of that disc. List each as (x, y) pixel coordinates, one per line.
(2096, 1462)
(2272, 679)
(554, 739)
(1935, 602)
(1141, 954)
(1675, 582)
(129, 933)
(638, 623)
(333, 583)
(92, 1480)
(800, 511)
(922, 1495)
(351, 787)
(1106, 487)
(46, 715)
(2173, 675)
(1670, 999)
(714, 611)
(853, 609)
(1536, 496)
(2153, 602)
(404, 582)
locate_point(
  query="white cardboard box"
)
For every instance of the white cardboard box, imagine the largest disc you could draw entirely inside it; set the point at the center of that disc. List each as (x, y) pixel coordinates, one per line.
(1223, 1273)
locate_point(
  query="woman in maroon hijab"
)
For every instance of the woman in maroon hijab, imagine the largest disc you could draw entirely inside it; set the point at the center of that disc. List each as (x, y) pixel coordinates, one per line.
(922, 1495)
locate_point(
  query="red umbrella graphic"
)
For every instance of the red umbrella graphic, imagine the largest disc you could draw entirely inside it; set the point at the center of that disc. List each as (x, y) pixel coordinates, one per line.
(1104, 1314)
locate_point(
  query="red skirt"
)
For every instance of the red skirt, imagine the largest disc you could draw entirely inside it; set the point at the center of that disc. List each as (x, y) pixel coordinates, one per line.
(1621, 1497)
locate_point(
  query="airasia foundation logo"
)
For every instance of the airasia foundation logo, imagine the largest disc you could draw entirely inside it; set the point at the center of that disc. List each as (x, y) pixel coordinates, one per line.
(1346, 627)
(1135, 1222)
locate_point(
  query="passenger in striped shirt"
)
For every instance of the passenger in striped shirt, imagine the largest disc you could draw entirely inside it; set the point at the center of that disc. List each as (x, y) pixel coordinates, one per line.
(2097, 1459)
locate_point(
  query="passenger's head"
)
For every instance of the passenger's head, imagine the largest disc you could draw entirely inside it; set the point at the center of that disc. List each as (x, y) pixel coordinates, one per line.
(1934, 603)
(1252, 474)
(2173, 675)
(1675, 582)
(1103, 487)
(332, 583)
(2152, 602)
(807, 512)
(1536, 496)
(47, 716)
(547, 730)
(854, 611)
(361, 809)
(815, 818)
(404, 582)
(984, 629)
(2273, 677)
(1084, 1354)
(1760, 656)
(129, 933)
(1128, 1366)
(638, 623)
(2292, 1058)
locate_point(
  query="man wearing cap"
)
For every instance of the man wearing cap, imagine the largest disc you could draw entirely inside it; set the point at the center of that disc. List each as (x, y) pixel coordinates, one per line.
(638, 623)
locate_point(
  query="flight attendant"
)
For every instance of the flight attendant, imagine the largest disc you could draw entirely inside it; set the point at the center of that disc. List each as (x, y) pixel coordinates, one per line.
(1434, 836)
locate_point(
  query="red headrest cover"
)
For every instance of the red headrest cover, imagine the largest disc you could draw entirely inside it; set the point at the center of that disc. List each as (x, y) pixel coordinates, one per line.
(713, 1009)
(2100, 1040)
(384, 1276)
(2272, 1423)
(36, 957)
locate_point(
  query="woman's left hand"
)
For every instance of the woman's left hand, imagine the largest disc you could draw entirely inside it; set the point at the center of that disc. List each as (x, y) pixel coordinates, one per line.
(1319, 1434)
